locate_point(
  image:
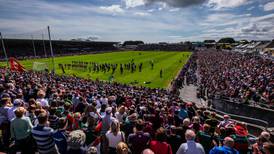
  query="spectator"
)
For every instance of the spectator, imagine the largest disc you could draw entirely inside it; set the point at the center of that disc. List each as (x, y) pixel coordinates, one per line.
(226, 122)
(268, 148)
(43, 135)
(159, 146)
(227, 148)
(41, 99)
(240, 137)
(16, 103)
(53, 119)
(205, 138)
(4, 122)
(76, 141)
(92, 150)
(122, 148)
(121, 114)
(21, 132)
(60, 137)
(139, 140)
(257, 148)
(148, 151)
(107, 120)
(174, 140)
(114, 136)
(196, 125)
(191, 146)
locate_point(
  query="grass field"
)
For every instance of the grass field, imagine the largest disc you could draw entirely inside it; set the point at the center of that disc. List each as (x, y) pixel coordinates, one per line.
(169, 62)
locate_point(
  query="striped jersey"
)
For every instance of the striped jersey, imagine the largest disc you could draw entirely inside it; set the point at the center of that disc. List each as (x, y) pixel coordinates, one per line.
(43, 137)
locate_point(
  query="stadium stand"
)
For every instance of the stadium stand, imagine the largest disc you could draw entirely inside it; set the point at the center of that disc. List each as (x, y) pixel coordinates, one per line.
(21, 48)
(165, 47)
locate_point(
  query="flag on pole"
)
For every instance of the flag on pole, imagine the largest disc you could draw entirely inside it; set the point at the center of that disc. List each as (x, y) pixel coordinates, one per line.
(15, 65)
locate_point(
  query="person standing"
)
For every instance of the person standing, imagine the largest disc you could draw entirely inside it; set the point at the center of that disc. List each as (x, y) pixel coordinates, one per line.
(139, 140)
(20, 129)
(114, 136)
(160, 146)
(227, 148)
(43, 135)
(190, 147)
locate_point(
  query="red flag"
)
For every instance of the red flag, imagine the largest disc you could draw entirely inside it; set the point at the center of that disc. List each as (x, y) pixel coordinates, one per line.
(15, 65)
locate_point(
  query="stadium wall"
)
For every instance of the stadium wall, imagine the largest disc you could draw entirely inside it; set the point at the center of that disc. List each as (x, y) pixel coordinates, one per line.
(245, 110)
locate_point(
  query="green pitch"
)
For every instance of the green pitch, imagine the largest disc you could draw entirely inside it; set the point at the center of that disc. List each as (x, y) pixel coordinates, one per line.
(169, 62)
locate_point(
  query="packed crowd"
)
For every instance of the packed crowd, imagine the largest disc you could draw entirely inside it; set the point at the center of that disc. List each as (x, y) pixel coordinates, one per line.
(68, 115)
(163, 47)
(187, 74)
(235, 75)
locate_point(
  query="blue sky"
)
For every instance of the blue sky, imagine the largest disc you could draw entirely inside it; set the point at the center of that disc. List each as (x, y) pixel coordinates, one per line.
(147, 20)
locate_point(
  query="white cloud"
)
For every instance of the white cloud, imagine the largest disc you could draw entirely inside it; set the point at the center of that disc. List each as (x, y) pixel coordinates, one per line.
(134, 3)
(174, 10)
(269, 6)
(250, 8)
(113, 9)
(142, 14)
(219, 4)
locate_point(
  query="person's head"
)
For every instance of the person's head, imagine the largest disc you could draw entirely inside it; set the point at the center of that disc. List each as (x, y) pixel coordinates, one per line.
(76, 139)
(5, 101)
(266, 135)
(92, 150)
(41, 94)
(186, 122)
(139, 125)
(268, 148)
(108, 110)
(17, 102)
(160, 134)
(148, 151)
(196, 120)
(115, 127)
(42, 118)
(122, 148)
(32, 101)
(226, 117)
(19, 112)
(190, 134)
(206, 127)
(228, 141)
(122, 109)
(62, 123)
(77, 116)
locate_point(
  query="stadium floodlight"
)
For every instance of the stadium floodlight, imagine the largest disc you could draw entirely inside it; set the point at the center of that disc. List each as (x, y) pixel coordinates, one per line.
(44, 46)
(33, 45)
(51, 51)
(4, 49)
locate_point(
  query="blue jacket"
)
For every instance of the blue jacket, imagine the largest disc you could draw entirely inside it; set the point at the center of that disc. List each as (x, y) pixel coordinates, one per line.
(223, 150)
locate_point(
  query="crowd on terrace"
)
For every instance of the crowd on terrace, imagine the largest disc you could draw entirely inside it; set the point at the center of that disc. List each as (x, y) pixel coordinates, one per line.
(248, 78)
(50, 114)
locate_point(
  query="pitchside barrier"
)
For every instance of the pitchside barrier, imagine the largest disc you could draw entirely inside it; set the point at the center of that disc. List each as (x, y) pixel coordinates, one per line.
(255, 115)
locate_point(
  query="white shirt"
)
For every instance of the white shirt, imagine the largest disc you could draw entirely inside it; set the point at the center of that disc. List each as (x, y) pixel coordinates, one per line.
(114, 140)
(120, 116)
